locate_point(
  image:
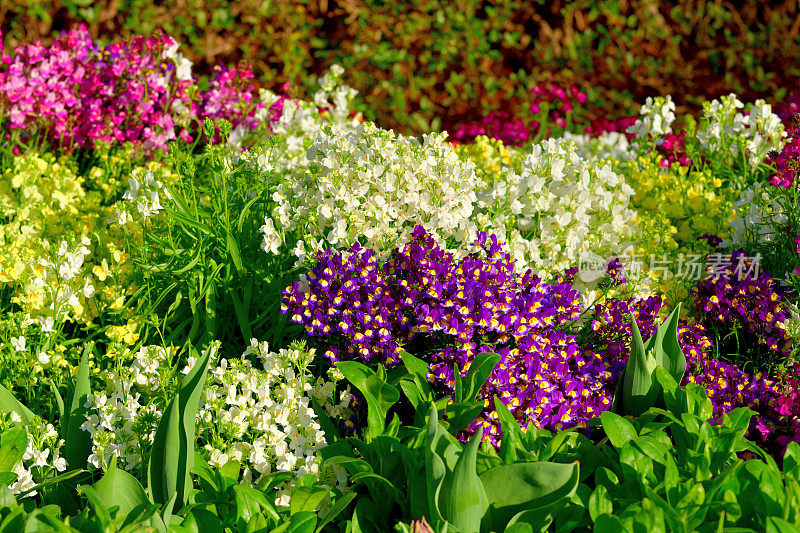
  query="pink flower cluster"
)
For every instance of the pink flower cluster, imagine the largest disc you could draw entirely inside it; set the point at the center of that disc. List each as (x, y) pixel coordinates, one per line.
(551, 105)
(673, 150)
(787, 159)
(556, 103)
(77, 94)
(601, 125)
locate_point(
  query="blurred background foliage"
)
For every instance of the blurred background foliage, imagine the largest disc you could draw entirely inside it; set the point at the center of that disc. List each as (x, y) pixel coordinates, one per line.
(428, 64)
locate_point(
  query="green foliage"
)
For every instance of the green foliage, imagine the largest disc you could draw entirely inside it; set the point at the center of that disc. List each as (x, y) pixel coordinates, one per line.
(200, 271)
(411, 471)
(172, 456)
(637, 389)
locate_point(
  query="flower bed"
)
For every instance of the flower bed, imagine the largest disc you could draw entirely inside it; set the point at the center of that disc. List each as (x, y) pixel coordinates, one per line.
(273, 314)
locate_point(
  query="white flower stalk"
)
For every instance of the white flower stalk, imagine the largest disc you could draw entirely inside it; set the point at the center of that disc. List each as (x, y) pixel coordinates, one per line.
(759, 218)
(725, 133)
(657, 116)
(609, 145)
(143, 196)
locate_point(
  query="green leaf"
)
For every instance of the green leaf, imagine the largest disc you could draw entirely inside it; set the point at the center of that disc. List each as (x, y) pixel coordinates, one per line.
(512, 438)
(339, 505)
(119, 488)
(306, 499)
(462, 498)
(441, 456)
(458, 385)
(619, 430)
(9, 404)
(779, 525)
(233, 252)
(531, 486)
(415, 366)
(791, 460)
(99, 507)
(13, 443)
(637, 390)
(59, 399)
(600, 503)
(380, 395)
(479, 372)
(241, 316)
(674, 360)
(172, 455)
(461, 415)
(78, 443)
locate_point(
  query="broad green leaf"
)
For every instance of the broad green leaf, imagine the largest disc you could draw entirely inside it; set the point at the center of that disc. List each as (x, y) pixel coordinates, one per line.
(462, 498)
(13, 443)
(78, 443)
(172, 454)
(380, 395)
(200, 520)
(600, 503)
(415, 366)
(530, 520)
(306, 499)
(531, 486)
(119, 488)
(479, 371)
(791, 460)
(461, 415)
(619, 430)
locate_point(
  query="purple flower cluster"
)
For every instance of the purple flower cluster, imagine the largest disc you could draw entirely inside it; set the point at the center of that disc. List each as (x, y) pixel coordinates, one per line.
(78, 94)
(734, 299)
(446, 312)
(727, 385)
(229, 97)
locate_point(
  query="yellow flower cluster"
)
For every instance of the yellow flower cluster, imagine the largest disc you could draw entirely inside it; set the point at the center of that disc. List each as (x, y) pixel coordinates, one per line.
(58, 254)
(694, 203)
(676, 208)
(490, 156)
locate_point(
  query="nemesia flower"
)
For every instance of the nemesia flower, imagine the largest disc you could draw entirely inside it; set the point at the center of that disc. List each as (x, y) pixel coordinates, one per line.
(447, 310)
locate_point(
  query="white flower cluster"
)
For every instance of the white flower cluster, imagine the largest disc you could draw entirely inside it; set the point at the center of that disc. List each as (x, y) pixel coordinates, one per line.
(759, 218)
(42, 441)
(263, 418)
(300, 123)
(372, 183)
(57, 286)
(657, 116)
(727, 134)
(122, 421)
(609, 145)
(183, 67)
(560, 208)
(143, 192)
